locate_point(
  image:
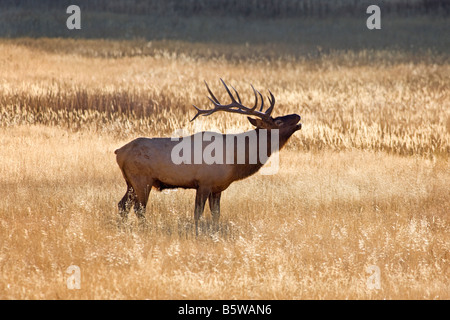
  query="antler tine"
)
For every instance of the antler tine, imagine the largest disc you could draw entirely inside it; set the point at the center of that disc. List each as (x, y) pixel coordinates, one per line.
(198, 113)
(229, 92)
(213, 99)
(239, 105)
(212, 95)
(272, 104)
(237, 94)
(262, 101)
(256, 98)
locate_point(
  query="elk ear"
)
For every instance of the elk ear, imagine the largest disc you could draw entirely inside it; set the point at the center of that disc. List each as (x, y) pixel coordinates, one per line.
(254, 122)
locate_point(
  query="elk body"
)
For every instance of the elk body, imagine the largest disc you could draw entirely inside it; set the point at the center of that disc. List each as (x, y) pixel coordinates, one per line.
(148, 162)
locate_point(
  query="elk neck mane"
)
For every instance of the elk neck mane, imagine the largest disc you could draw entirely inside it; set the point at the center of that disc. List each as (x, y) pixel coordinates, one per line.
(242, 171)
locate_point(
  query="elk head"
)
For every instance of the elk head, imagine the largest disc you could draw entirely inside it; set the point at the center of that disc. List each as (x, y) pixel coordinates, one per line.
(286, 125)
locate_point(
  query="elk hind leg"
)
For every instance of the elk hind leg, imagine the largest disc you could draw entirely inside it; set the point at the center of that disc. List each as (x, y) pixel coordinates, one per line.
(126, 202)
(142, 188)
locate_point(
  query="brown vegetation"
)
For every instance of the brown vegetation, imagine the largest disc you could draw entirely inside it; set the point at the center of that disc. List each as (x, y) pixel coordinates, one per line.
(364, 183)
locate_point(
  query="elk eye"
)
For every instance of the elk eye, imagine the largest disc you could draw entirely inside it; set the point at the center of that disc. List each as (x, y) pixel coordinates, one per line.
(278, 122)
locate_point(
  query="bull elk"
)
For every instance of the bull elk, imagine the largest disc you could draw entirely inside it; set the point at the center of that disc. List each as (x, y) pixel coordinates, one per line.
(148, 162)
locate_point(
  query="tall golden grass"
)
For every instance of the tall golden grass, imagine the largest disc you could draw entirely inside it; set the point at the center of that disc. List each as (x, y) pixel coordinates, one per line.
(401, 109)
(365, 182)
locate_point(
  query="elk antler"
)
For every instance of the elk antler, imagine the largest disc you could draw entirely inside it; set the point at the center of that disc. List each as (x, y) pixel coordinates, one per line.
(237, 107)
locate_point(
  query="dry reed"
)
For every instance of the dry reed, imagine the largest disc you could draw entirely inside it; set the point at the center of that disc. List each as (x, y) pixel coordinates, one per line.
(364, 183)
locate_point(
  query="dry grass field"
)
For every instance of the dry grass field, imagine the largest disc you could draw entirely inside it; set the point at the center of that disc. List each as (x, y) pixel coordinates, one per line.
(364, 183)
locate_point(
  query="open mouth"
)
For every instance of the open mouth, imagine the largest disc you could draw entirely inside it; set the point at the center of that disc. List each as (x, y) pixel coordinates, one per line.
(298, 126)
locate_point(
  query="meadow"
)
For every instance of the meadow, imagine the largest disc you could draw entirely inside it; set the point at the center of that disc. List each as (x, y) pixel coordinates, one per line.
(364, 183)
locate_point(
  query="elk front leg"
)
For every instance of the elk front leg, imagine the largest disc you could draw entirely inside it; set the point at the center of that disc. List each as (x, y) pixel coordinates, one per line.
(214, 205)
(200, 200)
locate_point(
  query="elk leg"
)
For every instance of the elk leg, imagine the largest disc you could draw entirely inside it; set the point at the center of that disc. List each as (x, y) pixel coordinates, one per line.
(214, 205)
(200, 200)
(142, 191)
(126, 202)
(139, 210)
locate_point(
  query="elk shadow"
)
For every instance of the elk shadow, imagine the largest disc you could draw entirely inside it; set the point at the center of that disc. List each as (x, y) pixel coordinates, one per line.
(181, 227)
(223, 230)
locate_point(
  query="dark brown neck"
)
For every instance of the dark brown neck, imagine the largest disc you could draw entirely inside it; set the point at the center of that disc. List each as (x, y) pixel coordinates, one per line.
(263, 149)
